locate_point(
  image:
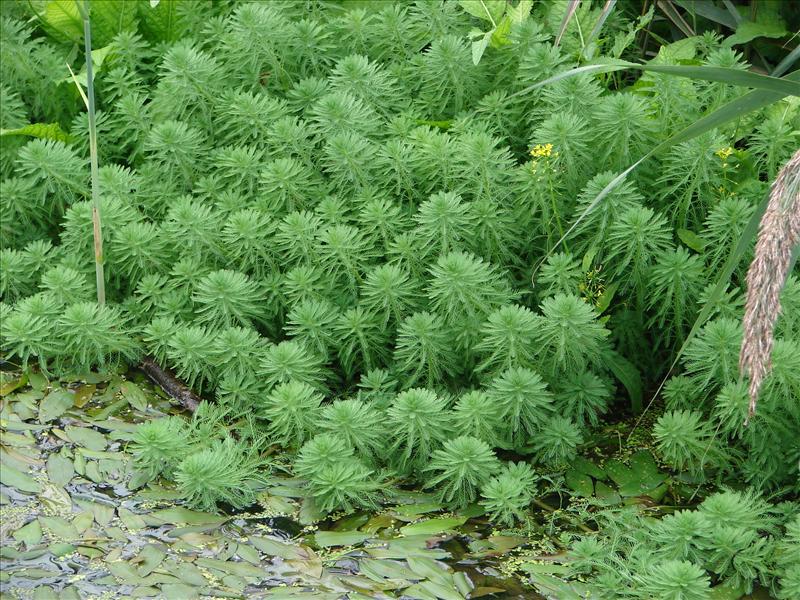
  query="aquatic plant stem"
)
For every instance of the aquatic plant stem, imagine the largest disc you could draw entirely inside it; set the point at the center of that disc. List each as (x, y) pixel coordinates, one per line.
(97, 227)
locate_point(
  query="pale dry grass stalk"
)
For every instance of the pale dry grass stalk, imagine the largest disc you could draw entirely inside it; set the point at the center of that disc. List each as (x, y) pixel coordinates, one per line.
(778, 236)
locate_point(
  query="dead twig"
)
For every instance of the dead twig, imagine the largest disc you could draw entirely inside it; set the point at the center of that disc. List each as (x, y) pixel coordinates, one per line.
(170, 384)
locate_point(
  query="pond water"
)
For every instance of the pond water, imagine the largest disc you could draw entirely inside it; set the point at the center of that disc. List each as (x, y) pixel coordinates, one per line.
(75, 523)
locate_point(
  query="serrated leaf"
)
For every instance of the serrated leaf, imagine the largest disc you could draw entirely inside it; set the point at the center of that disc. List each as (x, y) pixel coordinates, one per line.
(86, 437)
(487, 10)
(46, 131)
(520, 12)
(500, 34)
(692, 240)
(272, 547)
(30, 534)
(184, 515)
(479, 47)
(747, 31)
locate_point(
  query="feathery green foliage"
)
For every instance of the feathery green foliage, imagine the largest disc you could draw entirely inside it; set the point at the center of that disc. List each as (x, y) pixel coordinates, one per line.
(311, 214)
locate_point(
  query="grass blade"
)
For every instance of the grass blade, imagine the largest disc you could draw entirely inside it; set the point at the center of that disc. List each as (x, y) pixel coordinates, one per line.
(786, 85)
(731, 111)
(571, 8)
(609, 6)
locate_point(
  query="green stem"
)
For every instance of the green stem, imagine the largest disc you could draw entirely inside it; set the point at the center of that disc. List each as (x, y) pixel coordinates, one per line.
(97, 226)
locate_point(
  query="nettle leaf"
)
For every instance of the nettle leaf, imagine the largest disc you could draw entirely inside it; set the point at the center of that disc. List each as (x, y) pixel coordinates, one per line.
(749, 30)
(520, 12)
(46, 131)
(479, 46)
(488, 10)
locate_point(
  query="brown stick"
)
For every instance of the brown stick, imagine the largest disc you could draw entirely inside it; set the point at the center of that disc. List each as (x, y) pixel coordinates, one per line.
(170, 384)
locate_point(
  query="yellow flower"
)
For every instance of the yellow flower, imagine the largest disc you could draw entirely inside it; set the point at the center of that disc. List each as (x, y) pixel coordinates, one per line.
(542, 150)
(724, 153)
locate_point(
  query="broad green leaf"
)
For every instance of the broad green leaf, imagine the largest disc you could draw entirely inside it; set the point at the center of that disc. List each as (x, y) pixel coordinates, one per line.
(61, 529)
(692, 240)
(17, 479)
(583, 465)
(150, 558)
(55, 404)
(109, 17)
(479, 46)
(428, 568)
(59, 469)
(433, 526)
(520, 12)
(748, 31)
(325, 539)
(605, 299)
(240, 569)
(86, 437)
(179, 591)
(98, 59)
(488, 10)
(47, 131)
(628, 375)
(184, 515)
(161, 23)
(500, 34)
(272, 547)
(134, 395)
(60, 18)
(579, 482)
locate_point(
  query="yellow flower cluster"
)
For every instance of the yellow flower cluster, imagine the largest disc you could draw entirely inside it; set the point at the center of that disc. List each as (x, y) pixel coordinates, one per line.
(542, 150)
(724, 153)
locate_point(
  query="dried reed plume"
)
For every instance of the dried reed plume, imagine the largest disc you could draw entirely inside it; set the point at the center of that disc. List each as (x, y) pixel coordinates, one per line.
(778, 236)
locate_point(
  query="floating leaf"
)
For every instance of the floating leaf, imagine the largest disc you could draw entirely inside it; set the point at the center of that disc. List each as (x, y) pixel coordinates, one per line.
(134, 395)
(179, 514)
(30, 534)
(583, 465)
(433, 526)
(86, 437)
(60, 528)
(325, 539)
(17, 479)
(150, 557)
(55, 404)
(272, 547)
(579, 482)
